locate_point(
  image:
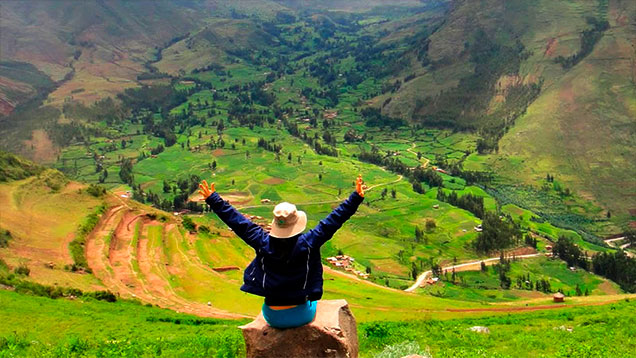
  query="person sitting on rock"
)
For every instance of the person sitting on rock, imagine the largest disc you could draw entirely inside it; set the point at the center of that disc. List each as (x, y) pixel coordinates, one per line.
(287, 270)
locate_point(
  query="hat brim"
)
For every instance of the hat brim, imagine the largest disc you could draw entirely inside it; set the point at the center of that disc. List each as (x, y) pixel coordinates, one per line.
(287, 232)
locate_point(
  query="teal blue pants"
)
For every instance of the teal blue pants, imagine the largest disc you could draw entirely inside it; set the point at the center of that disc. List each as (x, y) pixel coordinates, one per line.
(290, 317)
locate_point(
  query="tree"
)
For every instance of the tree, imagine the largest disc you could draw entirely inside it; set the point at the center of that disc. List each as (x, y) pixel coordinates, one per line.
(166, 186)
(419, 234)
(393, 193)
(417, 187)
(214, 165)
(430, 224)
(125, 171)
(484, 268)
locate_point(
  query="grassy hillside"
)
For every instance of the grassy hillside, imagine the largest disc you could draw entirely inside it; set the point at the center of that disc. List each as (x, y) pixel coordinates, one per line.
(87, 327)
(582, 125)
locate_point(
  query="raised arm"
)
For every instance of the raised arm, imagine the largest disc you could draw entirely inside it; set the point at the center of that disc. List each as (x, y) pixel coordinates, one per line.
(327, 227)
(251, 233)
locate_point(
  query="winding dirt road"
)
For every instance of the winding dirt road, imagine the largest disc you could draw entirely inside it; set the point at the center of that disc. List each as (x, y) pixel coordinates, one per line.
(422, 277)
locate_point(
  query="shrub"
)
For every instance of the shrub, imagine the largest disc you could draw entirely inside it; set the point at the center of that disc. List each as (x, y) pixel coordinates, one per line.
(5, 237)
(22, 270)
(96, 190)
(189, 224)
(77, 245)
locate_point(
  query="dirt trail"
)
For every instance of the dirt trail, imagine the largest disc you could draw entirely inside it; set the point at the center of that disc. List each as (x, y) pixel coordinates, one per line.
(426, 160)
(468, 266)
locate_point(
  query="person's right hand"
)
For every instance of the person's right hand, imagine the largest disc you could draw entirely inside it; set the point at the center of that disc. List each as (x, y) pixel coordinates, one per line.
(359, 186)
(205, 190)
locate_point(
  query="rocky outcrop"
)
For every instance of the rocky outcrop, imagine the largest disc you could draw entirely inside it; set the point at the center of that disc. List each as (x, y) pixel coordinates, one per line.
(332, 334)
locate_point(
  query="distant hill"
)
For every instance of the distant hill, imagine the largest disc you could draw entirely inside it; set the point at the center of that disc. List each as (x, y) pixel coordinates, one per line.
(553, 80)
(97, 48)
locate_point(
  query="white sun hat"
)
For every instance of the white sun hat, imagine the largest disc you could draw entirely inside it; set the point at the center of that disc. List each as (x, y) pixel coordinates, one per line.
(288, 221)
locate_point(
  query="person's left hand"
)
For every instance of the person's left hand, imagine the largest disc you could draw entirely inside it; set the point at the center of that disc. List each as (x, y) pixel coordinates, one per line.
(205, 190)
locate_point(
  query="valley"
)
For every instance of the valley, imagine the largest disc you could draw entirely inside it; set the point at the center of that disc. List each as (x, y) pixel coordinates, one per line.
(494, 139)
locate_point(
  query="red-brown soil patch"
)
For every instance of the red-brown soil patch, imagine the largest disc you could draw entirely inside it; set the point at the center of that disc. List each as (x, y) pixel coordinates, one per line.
(522, 251)
(551, 46)
(273, 181)
(218, 152)
(237, 197)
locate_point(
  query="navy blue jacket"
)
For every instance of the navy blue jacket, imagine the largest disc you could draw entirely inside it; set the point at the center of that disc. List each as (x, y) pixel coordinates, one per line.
(284, 276)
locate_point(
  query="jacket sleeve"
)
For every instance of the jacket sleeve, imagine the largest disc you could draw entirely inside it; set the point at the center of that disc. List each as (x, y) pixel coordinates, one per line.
(251, 233)
(327, 227)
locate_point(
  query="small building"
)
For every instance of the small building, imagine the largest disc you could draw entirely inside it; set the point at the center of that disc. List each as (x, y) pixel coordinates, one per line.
(478, 228)
(436, 206)
(558, 297)
(548, 247)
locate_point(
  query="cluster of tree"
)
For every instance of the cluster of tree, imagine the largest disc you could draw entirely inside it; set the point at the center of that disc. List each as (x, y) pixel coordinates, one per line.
(503, 267)
(65, 134)
(420, 235)
(618, 267)
(429, 176)
(104, 110)
(374, 118)
(331, 151)
(155, 98)
(568, 251)
(525, 282)
(497, 233)
(271, 146)
(352, 136)
(589, 38)
(470, 202)
(96, 190)
(531, 241)
(156, 150)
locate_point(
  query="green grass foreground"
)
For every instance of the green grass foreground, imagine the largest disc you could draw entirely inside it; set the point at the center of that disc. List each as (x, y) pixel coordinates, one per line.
(88, 328)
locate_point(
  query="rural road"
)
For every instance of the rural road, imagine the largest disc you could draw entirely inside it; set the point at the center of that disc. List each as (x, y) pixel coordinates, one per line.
(410, 150)
(422, 277)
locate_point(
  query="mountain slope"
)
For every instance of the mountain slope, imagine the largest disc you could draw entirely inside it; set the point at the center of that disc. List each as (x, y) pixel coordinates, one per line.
(97, 47)
(490, 60)
(583, 125)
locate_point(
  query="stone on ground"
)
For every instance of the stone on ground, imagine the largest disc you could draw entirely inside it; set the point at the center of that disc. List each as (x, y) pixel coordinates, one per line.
(333, 333)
